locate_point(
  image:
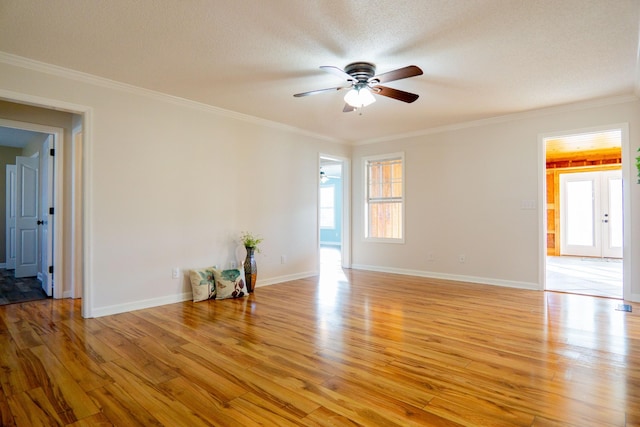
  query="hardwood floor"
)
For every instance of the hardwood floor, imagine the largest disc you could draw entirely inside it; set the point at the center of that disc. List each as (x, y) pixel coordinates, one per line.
(365, 349)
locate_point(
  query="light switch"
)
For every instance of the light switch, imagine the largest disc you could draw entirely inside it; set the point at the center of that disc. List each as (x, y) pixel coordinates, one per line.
(528, 205)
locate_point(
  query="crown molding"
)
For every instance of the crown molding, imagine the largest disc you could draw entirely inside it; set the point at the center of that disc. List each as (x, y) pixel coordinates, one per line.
(79, 76)
(576, 106)
(55, 70)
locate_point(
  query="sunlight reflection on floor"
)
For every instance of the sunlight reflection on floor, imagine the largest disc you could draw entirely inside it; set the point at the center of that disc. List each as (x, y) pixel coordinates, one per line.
(590, 323)
(587, 276)
(331, 273)
(333, 285)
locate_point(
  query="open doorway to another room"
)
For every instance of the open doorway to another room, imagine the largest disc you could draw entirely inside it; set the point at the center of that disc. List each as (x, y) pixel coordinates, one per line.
(584, 206)
(331, 214)
(26, 239)
(64, 206)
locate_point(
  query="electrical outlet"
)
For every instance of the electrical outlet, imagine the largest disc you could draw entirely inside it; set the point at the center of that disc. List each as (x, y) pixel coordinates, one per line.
(283, 259)
(431, 257)
(462, 259)
(233, 264)
(175, 273)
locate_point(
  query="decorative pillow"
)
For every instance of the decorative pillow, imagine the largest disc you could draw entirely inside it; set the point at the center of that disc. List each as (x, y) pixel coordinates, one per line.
(230, 283)
(203, 285)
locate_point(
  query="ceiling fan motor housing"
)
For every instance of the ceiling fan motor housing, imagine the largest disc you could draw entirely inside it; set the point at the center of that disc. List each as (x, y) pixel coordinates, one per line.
(361, 71)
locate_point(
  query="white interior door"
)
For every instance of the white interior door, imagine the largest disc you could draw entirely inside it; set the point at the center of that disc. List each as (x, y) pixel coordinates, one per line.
(27, 182)
(591, 214)
(46, 228)
(10, 215)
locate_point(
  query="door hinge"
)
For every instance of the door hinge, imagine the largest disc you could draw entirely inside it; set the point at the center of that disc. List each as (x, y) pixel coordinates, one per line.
(51, 269)
(52, 152)
(50, 211)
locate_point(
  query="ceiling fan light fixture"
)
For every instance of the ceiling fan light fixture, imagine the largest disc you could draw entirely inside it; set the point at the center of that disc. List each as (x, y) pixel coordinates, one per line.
(359, 97)
(364, 83)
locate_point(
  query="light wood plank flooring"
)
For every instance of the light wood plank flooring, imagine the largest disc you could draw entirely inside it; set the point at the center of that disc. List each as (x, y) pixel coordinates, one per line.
(361, 348)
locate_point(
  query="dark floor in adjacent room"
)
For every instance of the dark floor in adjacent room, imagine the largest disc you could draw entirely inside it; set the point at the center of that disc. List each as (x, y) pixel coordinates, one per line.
(14, 290)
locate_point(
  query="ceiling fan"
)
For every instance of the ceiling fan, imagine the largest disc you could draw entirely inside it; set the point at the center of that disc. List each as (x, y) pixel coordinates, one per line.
(324, 177)
(363, 83)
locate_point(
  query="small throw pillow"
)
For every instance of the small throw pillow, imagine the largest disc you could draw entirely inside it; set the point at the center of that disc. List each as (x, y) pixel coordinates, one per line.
(203, 285)
(230, 283)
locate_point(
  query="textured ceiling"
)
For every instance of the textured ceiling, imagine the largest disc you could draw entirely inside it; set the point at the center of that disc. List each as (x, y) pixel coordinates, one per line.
(481, 58)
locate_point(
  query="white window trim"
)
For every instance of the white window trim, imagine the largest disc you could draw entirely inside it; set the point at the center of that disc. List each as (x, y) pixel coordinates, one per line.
(365, 162)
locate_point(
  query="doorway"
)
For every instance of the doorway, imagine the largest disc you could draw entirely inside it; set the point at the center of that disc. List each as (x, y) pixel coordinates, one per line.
(35, 247)
(28, 229)
(80, 117)
(584, 213)
(333, 211)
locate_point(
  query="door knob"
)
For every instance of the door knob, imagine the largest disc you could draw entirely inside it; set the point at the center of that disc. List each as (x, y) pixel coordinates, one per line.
(40, 222)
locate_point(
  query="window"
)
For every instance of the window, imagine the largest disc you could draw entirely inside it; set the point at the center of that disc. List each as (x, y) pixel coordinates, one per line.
(327, 209)
(384, 197)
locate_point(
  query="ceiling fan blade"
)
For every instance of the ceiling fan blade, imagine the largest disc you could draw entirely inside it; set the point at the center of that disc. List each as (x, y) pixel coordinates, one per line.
(400, 73)
(338, 72)
(348, 108)
(400, 95)
(315, 92)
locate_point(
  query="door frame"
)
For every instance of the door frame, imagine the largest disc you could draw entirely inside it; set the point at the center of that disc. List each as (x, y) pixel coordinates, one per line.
(10, 215)
(346, 208)
(76, 270)
(626, 200)
(86, 113)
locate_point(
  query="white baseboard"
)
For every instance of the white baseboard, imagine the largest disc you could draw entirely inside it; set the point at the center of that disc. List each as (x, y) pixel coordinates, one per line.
(287, 278)
(186, 296)
(453, 277)
(139, 305)
(172, 299)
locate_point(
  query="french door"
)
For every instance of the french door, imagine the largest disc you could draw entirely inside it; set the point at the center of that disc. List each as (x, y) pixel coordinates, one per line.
(591, 214)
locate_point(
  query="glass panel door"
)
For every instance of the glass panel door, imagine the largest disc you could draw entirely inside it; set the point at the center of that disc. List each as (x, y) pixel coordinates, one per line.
(612, 215)
(579, 229)
(580, 213)
(591, 214)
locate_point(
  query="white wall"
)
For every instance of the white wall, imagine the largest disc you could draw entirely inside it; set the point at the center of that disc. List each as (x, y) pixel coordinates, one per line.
(464, 192)
(172, 184)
